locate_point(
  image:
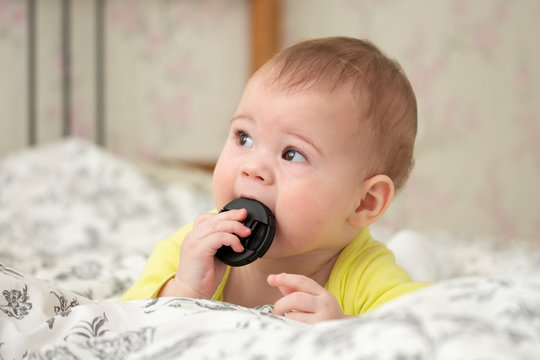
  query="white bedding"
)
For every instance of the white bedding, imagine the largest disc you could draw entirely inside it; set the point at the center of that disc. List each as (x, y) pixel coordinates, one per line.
(76, 225)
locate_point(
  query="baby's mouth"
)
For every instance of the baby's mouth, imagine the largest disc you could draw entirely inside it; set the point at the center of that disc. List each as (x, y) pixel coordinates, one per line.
(254, 198)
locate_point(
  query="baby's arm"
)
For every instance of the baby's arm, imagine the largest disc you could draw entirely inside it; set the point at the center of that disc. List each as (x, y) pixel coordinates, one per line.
(304, 299)
(159, 267)
(199, 273)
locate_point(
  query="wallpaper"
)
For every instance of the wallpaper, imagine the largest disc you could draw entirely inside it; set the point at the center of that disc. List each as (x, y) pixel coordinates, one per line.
(174, 71)
(474, 68)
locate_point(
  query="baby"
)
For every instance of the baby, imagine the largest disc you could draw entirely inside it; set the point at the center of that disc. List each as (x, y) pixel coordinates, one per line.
(323, 136)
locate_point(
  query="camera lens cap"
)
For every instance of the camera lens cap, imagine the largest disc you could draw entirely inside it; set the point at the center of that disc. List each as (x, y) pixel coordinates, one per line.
(261, 222)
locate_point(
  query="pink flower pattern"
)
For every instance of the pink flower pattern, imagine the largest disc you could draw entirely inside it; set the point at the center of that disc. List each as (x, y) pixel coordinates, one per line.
(474, 71)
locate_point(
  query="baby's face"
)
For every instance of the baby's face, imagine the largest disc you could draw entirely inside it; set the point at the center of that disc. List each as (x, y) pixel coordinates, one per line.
(299, 154)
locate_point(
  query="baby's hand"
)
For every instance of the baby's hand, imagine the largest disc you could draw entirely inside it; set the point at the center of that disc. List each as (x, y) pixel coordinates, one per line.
(199, 271)
(304, 299)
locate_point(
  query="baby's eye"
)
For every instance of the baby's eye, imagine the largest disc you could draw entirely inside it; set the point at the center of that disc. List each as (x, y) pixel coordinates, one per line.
(244, 139)
(293, 156)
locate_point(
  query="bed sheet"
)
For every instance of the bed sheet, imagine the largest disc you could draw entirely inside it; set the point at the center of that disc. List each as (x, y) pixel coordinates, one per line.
(76, 226)
(83, 218)
(466, 318)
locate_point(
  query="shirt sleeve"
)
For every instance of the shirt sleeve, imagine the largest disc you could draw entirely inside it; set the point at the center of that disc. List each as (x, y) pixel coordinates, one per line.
(160, 267)
(366, 276)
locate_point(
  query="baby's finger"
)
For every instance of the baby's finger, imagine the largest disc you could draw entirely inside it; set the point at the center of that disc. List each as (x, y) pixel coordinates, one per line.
(228, 226)
(208, 244)
(235, 215)
(231, 240)
(295, 302)
(305, 317)
(289, 283)
(217, 240)
(205, 226)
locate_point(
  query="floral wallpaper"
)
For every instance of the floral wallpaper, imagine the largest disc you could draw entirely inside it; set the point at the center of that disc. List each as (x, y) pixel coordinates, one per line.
(174, 71)
(171, 79)
(474, 67)
(12, 73)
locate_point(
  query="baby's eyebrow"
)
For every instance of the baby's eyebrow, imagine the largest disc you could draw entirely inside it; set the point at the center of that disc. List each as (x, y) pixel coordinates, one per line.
(242, 116)
(305, 139)
(288, 132)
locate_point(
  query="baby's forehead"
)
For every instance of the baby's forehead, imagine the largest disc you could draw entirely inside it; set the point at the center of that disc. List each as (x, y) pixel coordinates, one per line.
(326, 82)
(346, 93)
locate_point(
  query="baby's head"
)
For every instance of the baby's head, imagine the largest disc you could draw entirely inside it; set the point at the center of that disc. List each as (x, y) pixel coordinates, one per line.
(323, 135)
(385, 100)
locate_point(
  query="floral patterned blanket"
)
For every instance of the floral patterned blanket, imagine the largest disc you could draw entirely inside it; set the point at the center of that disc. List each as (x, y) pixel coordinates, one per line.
(76, 226)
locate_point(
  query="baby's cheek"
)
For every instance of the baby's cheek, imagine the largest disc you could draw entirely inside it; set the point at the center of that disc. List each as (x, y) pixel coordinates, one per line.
(222, 185)
(302, 215)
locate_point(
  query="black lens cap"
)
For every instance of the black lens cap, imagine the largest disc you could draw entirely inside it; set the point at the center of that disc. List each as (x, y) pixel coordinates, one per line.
(261, 222)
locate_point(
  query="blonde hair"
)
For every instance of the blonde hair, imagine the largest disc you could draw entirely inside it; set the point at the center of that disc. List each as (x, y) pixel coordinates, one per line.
(386, 100)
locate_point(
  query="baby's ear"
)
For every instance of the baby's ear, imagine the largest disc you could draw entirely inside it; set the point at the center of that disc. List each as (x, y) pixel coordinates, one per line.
(377, 192)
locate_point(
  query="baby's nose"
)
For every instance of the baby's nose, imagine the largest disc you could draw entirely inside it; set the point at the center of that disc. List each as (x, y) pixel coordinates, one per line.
(259, 171)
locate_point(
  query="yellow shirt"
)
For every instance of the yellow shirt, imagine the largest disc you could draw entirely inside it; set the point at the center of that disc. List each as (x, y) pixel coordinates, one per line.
(365, 274)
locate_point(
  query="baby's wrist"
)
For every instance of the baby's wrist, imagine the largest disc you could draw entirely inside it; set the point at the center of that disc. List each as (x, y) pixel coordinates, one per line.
(177, 288)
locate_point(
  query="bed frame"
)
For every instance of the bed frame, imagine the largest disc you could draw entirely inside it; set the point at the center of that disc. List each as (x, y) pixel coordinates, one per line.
(265, 17)
(265, 30)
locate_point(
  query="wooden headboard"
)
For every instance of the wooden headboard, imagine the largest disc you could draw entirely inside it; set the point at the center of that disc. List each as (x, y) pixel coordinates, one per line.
(265, 31)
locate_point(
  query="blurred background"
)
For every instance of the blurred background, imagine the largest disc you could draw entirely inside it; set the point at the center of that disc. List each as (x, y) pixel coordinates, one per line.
(159, 80)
